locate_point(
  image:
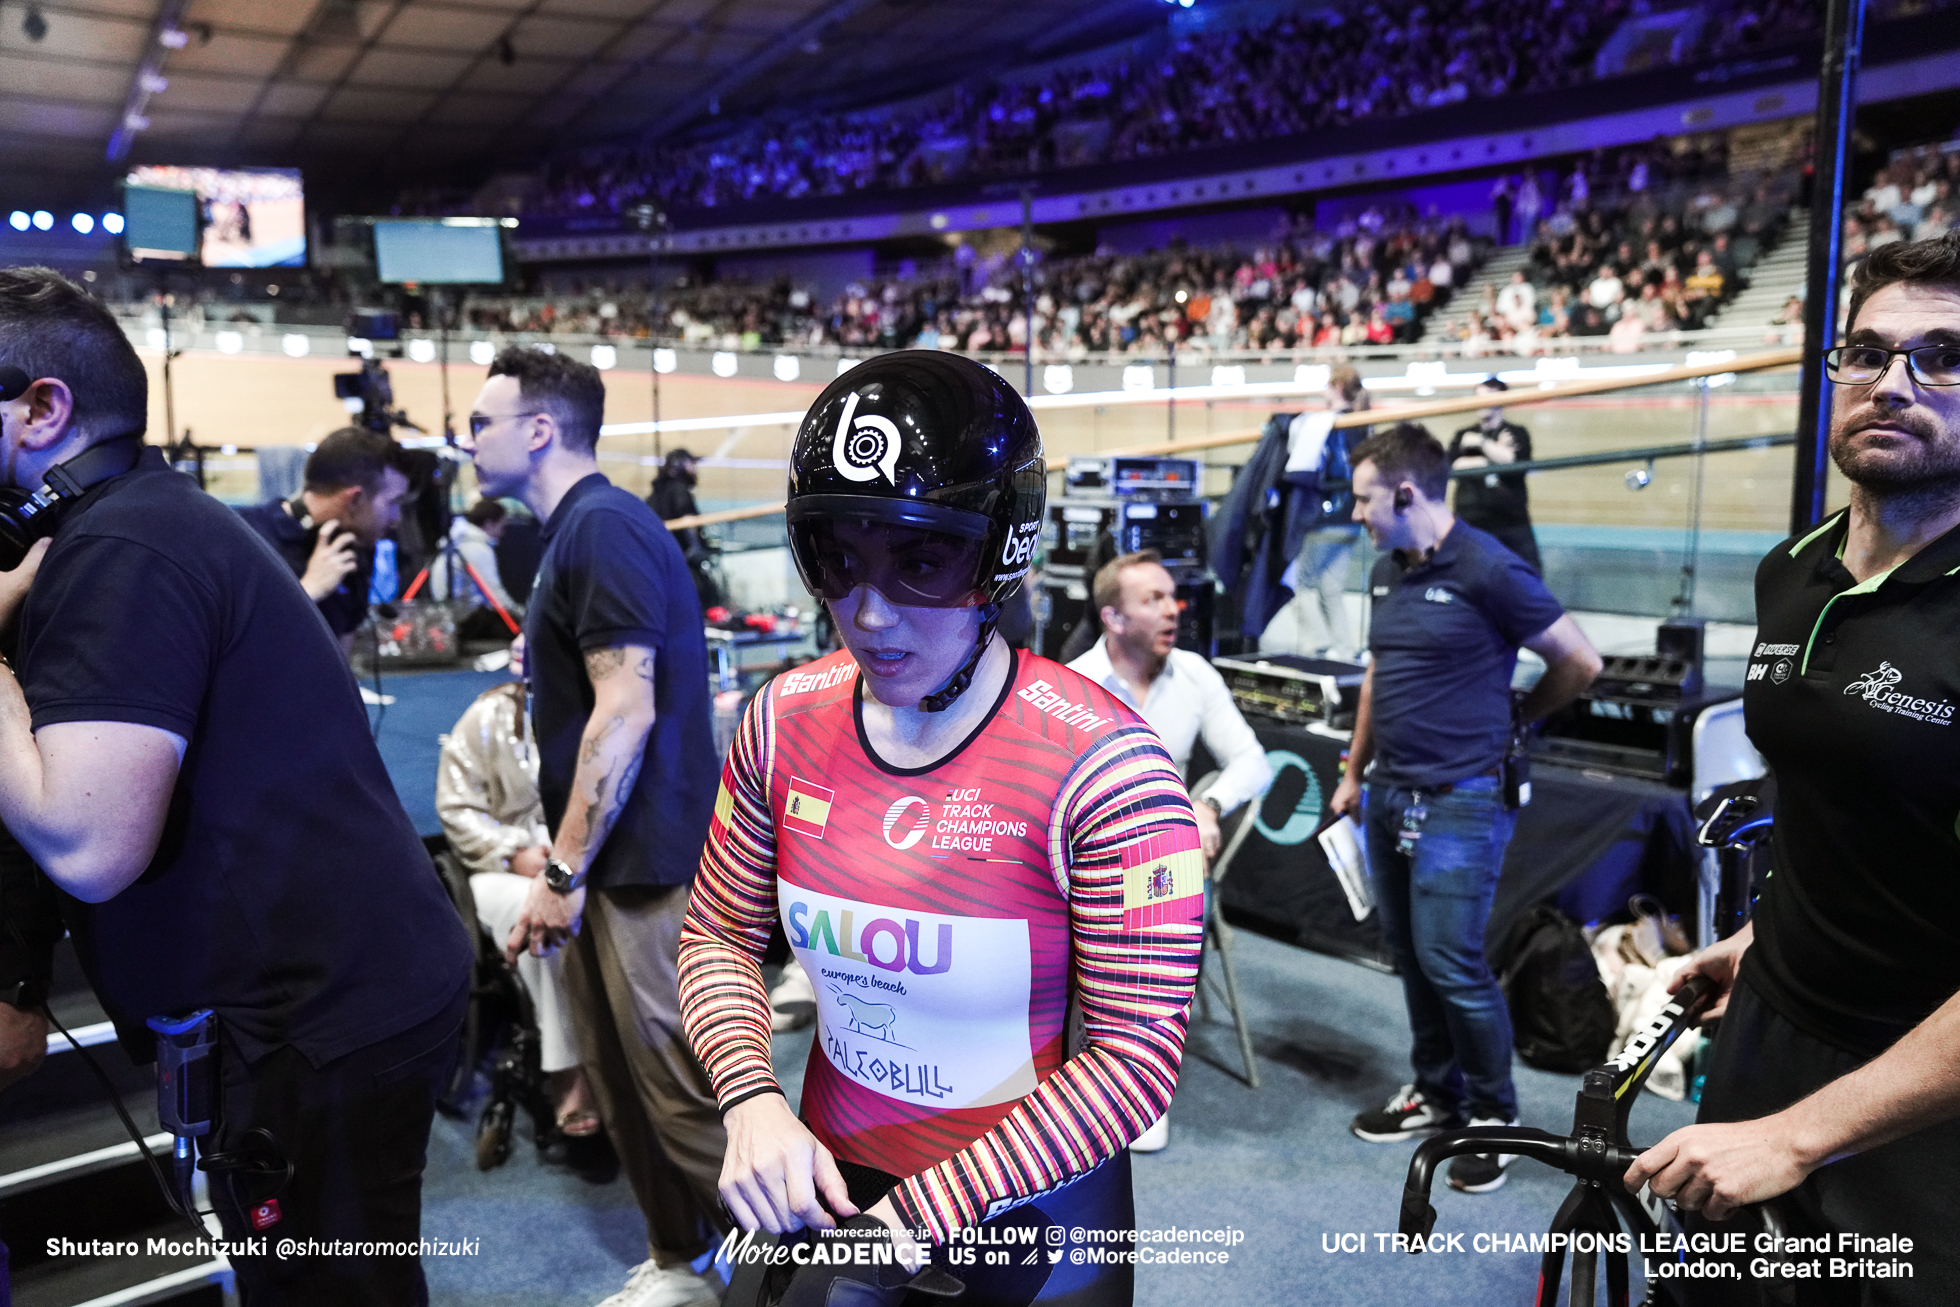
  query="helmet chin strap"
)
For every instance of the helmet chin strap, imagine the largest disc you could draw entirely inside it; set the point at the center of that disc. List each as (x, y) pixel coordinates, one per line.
(956, 684)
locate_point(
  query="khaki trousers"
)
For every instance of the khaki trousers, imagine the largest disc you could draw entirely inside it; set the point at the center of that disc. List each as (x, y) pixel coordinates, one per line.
(622, 974)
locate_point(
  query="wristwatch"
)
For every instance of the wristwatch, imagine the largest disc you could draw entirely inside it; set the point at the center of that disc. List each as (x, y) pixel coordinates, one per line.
(560, 878)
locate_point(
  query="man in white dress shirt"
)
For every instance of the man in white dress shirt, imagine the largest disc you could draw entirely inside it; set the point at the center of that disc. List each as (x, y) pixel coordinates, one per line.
(1179, 694)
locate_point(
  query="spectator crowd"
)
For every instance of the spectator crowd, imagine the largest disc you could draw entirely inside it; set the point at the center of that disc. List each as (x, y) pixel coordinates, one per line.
(1634, 242)
(1371, 279)
(1297, 74)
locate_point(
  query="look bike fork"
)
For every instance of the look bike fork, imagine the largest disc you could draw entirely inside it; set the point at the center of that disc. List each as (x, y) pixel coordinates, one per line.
(1587, 1210)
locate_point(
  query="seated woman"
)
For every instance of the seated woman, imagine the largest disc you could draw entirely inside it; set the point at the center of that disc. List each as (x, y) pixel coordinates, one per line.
(487, 801)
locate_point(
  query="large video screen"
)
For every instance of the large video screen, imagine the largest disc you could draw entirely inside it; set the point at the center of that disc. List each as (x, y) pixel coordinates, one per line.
(439, 251)
(253, 218)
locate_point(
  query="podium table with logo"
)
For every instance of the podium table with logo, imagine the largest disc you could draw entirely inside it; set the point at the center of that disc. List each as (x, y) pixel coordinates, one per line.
(1588, 840)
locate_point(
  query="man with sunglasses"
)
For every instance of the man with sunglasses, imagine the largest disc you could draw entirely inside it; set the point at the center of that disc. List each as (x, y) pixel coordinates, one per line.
(617, 669)
(1836, 1072)
(986, 863)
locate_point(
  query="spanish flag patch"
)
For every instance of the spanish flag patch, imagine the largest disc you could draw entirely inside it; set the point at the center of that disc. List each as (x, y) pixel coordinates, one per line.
(724, 809)
(1163, 880)
(807, 808)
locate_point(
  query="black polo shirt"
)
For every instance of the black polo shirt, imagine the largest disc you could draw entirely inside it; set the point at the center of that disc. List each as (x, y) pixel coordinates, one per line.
(1445, 634)
(289, 891)
(346, 608)
(612, 575)
(1497, 499)
(1851, 695)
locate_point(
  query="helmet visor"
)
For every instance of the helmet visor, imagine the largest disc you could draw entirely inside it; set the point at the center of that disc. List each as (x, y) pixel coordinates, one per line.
(910, 566)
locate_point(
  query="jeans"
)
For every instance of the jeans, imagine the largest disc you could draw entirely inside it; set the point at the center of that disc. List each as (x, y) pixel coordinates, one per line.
(1323, 574)
(1434, 905)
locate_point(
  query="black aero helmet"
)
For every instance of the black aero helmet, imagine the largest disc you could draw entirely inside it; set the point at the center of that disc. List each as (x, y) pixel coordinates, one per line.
(927, 441)
(938, 458)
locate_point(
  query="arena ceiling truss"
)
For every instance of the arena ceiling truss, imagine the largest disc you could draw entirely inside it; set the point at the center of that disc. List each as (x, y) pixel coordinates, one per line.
(402, 84)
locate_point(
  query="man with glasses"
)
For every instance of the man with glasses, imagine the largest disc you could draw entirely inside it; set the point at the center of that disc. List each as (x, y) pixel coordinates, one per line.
(617, 669)
(1836, 1072)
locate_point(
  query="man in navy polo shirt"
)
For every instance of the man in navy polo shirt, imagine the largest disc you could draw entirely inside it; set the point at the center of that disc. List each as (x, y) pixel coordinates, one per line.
(1835, 1080)
(1451, 608)
(617, 666)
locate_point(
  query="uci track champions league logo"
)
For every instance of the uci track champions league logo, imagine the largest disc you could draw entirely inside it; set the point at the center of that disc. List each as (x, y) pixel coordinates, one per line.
(863, 447)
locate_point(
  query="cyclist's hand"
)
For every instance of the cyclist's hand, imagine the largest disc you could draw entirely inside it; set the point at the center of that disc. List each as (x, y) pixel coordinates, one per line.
(1714, 1169)
(775, 1171)
(1718, 962)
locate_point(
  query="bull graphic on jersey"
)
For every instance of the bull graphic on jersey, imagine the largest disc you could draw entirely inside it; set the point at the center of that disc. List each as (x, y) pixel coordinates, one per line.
(873, 1019)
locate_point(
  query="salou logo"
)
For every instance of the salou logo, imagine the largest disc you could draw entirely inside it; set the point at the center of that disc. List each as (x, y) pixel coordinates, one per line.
(916, 1006)
(906, 821)
(863, 447)
(1875, 688)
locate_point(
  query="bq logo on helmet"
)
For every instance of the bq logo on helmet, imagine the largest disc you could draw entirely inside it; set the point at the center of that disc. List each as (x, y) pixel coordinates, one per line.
(864, 446)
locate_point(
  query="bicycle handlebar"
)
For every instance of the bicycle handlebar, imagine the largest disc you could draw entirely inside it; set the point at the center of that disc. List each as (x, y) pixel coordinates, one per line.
(1587, 1153)
(1605, 1163)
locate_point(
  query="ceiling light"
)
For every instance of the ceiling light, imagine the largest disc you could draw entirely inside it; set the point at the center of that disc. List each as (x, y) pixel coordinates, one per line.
(136, 122)
(112, 223)
(43, 220)
(17, 220)
(34, 25)
(154, 83)
(173, 38)
(82, 223)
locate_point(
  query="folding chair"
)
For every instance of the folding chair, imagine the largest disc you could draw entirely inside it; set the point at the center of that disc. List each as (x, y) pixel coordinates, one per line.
(1218, 935)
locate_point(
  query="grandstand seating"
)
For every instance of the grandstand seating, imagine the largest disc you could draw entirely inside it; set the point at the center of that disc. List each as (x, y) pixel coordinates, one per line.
(1296, 74)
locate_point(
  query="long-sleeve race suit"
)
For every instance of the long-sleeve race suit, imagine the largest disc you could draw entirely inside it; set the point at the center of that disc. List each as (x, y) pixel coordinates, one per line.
(1004, 945)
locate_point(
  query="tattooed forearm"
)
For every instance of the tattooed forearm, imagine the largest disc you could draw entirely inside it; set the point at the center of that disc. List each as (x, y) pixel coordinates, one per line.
(610, 750)
(595, 740)
(601, 663)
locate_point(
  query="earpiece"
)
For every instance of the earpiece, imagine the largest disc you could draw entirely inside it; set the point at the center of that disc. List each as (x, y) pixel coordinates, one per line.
(1403, 499)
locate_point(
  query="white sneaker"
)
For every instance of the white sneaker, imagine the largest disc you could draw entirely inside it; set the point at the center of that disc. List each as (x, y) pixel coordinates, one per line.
(677, 1286)
(1479, 1173)
(793, 1002)
(1154, 1138)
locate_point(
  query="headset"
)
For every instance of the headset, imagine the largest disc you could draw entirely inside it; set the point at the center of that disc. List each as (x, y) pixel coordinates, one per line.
(29, 516)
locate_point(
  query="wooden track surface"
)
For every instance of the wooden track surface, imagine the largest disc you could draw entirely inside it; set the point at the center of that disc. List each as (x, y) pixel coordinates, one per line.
(254, 400)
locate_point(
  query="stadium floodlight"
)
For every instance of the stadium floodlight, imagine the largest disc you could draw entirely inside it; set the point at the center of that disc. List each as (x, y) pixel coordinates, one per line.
(82, 223)
(18, 220)
(43, 220)
(112, 223)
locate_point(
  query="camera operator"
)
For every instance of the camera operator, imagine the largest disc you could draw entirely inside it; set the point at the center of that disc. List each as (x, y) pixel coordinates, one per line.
(1836, 1071)
(617, 666)
(184, 753)
(355, 482)
(1496, 502)
(1451, 608)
